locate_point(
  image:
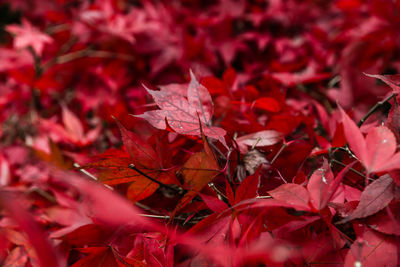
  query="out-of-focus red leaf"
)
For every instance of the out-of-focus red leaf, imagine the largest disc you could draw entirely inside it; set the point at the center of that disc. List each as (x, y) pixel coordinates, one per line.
(267, 104)
(89, 234)
(103, 204)
(16, 258)
(294, 195)
(72, 124)
(45, 252)
(98, 256)
(374, 198)
(183, 110)
(28, 36)
(72, 131)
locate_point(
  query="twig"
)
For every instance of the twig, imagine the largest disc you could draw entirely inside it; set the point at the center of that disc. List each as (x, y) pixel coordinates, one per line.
(88, 174)
(351, 169)
(284, 145)
(375, 108)
(218, 151)
(263, 197)
(179, 191)
(219, 193)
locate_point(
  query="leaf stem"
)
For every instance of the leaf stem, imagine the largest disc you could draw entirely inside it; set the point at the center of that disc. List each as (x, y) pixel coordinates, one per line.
(88, 174)
(180, 191)
(375, 108)
(351, 169)
(284, 145)
(219, 193)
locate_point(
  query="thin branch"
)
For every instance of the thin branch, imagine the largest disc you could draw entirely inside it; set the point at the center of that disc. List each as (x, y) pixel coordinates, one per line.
(351, 169)
(179, 191)
(263, 197)
(88, 174)
(284, 145)
(217, 150)
(221, 196)
(375, 108)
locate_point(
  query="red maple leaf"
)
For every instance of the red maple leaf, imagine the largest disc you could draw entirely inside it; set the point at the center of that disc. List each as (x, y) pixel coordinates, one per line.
(377, 151)
(183, 110)
(27, 35)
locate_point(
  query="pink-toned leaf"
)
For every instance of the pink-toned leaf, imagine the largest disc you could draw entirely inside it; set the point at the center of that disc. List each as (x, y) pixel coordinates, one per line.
(258, 139)
(72, 124)
(16, 258)
(200, 99)
(45, 252)
(372, 249)
(381, 146)
(318, 184)
(103, 204)
(354, 137)
(330, 191)
(26, 35)
(377, 150)
(375, 197)
(183, 110)
(294, 195)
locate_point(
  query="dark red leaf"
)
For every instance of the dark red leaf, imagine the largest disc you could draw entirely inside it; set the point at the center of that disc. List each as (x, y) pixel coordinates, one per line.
(374, 198)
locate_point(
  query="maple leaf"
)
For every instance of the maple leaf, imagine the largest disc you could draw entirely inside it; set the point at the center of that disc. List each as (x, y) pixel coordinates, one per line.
(182, 110)
(249, 187)
(322, 186)
(375, 197)
(197, 172)
(72, 131)
(294, 195)
(377, 150)
(115, 166)
(372, 249)
(27, 35)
